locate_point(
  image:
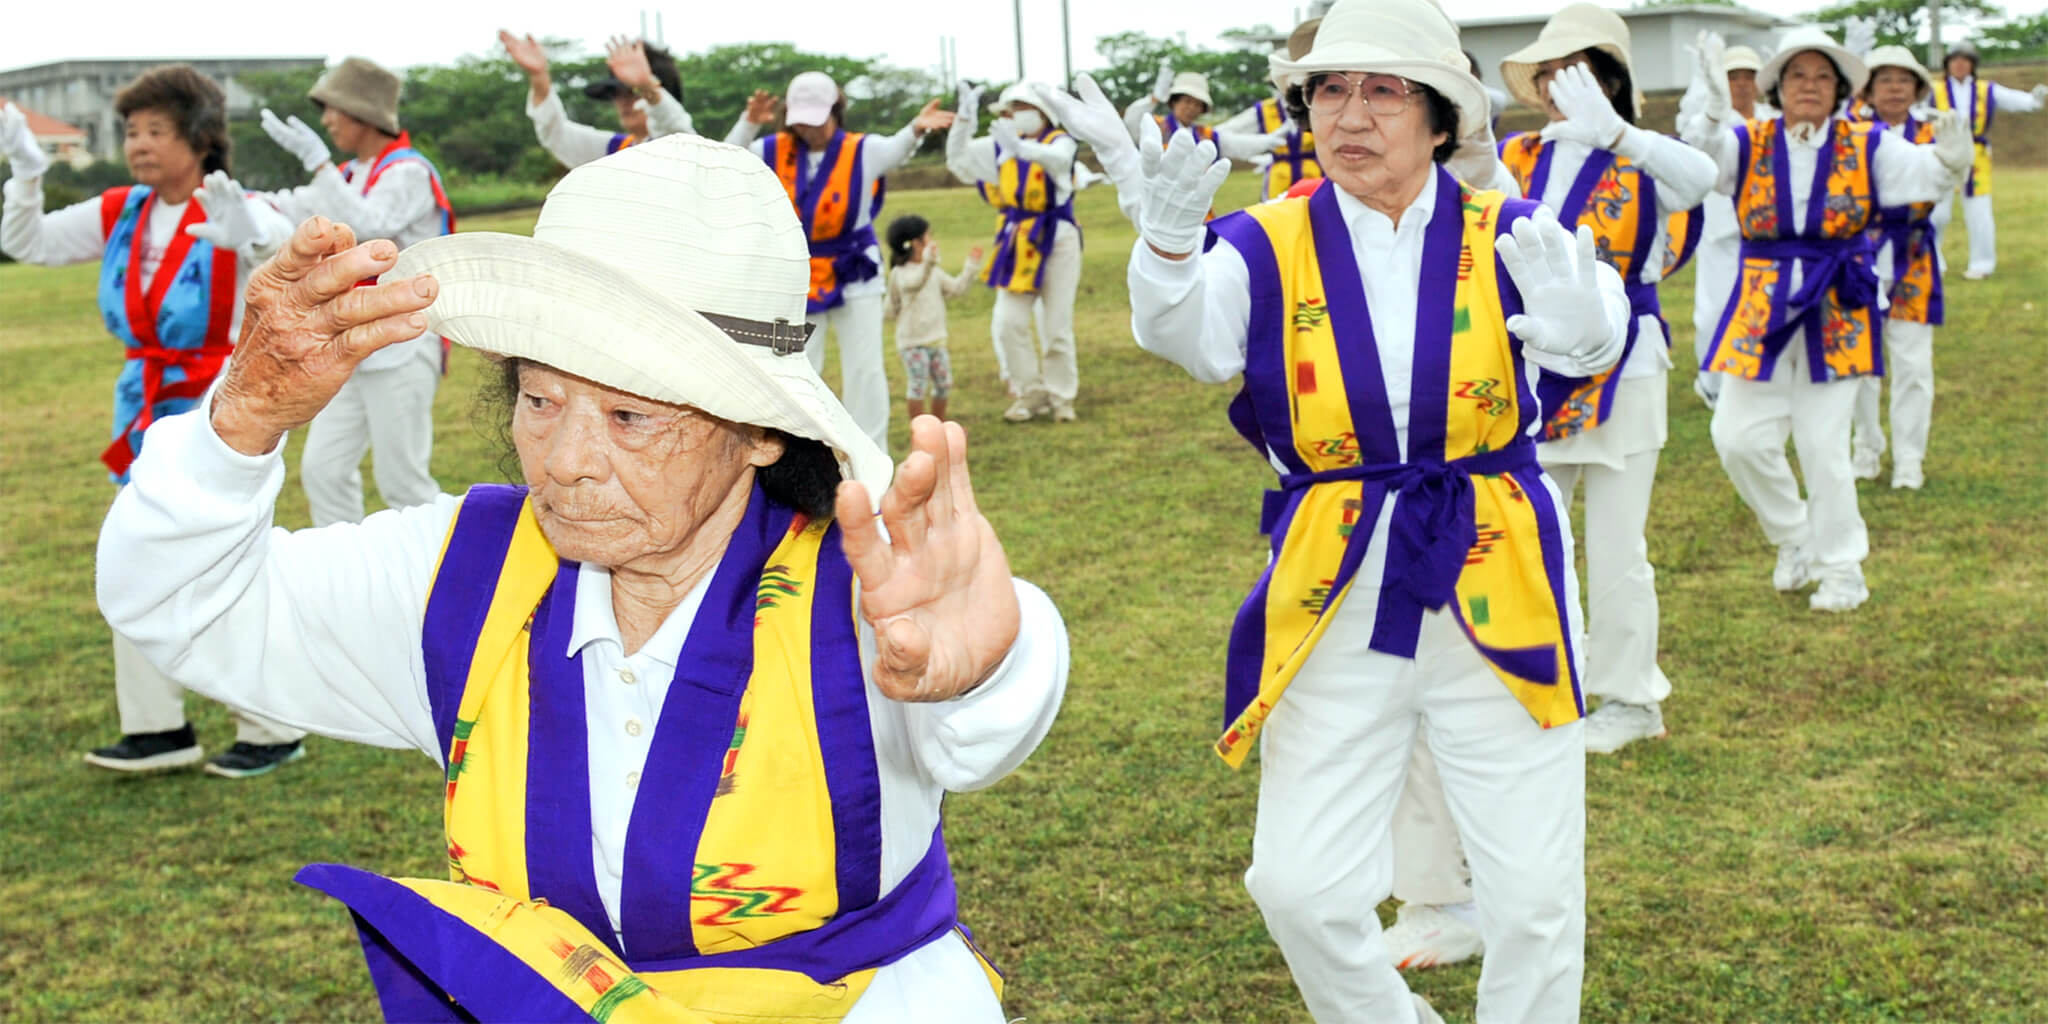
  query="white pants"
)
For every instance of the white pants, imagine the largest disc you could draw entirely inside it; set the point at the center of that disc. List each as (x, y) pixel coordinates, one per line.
(939, 982)
(150, 701)
(1909, 365)
(856, 325)
(1333, 757)
(1429, 861)
(387, 412)
(1713, 280)
(1983, 230)
(1751, 423)
(1621, 585)
(1056, 373)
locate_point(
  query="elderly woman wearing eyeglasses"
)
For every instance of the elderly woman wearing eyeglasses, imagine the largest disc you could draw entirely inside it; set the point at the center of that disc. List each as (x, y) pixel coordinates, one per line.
(1388, 327)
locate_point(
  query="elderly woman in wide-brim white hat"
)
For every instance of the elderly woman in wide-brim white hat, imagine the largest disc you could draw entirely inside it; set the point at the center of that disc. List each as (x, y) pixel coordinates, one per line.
(1804, 318)
(1024, 168)
(1384, 326)
(679, 643)
(1909, 270)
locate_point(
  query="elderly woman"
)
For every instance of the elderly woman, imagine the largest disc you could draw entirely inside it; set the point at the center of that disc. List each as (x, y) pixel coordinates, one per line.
(1421, 571)
(643, 86)
(174, 250)
(695, 729)
(1025, 169)
(1805, 316)
(1909, 271)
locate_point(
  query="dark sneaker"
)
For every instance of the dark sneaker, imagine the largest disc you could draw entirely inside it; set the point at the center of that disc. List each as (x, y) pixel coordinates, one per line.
(245, 759)
(150, 751)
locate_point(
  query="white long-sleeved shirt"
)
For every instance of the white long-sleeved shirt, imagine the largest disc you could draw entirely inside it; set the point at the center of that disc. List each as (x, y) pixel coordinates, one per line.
(918, 293)
(72, 235)
(578, 144)
(319, 628)
(973, 160)
(1230, 145)
(1684, 177)
(879, 154)
(2004, 100)
(400, 208)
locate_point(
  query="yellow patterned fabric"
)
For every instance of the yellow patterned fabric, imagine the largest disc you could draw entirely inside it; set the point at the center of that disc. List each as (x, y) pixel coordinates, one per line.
(1978, 181)
(1024, 196)
(1294, 159)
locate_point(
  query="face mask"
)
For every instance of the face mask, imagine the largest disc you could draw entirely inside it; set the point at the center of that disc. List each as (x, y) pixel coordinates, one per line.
(1027, 122)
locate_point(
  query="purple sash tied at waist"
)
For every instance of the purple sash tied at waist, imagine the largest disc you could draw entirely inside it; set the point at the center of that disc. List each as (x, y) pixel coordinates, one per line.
(1840, 265)
(851, 261)
(1906, 236)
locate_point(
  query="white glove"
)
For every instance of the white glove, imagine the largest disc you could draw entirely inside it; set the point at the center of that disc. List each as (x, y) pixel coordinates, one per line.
(1162, 83)
(1476, 162)
(1859, 36)
(1004, 132)
(1562, 310)
(228, 224)
(1952, 143)
(1589, 116)
(1089, 116)
(1180, 188)
(2039, 92)
(970, 101)
(295, 138)
(1709, 73)
(18, 144)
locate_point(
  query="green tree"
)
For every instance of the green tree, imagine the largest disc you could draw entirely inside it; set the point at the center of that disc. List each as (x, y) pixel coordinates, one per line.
(1237, 78)
(1902, 22)
(2017, 39)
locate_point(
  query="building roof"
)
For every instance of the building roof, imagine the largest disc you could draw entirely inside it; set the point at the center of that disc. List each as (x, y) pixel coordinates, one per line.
(45, 126)
(1733, 12)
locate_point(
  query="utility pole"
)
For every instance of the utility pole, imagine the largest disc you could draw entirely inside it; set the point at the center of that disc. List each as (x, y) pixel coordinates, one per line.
(1066, 46)
(1935, 51)
(1017, 6)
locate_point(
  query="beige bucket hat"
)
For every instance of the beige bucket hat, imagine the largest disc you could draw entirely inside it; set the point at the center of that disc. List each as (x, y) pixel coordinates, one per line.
(1577, 27)
(1740, 58)
(362, 89)
(1902, 58)
(675, 270)
(1030, 93)
(1191, 83)
(1411, 38)
(1812, 37)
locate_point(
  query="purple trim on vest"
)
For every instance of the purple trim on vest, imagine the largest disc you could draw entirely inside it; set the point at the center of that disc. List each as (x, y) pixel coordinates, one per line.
(1555, 388)
(1551, 528)
(1909, 238)
(558, 766)
(461, 597)
(417, 952)
(1245, 653)
(839, 702)
(1043, 230)
(1263, 403)
(1358, 349)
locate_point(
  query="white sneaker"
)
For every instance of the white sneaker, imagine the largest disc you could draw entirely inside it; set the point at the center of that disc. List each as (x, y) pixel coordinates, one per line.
(1615, 724)
(1019, 411)
(1865, 464)
(1427, 936)
(1906, 477)
(1976, 275)
(1839, 593)
(1707, 386)
(1794, 569)
(1062, 412)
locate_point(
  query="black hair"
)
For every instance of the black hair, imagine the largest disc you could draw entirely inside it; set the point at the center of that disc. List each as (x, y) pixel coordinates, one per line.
(904, 232)
(1443, 116)
(1615, 81)
(1841, 82)
(806, 477)
(1472, 62)
(659, 61)
(194, 103)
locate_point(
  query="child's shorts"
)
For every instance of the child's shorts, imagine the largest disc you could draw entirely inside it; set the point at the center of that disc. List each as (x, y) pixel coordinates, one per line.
(930, 372)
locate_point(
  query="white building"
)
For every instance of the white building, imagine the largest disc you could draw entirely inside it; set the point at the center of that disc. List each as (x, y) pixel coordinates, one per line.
(1660, 39)
(81, 92)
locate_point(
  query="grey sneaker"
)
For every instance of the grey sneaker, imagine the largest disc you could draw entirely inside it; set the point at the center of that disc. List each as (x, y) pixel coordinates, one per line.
(1616, 724)
(150, 751)
(245, 760)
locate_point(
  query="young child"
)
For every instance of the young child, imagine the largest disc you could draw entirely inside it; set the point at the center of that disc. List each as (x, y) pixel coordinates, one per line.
(918, 291)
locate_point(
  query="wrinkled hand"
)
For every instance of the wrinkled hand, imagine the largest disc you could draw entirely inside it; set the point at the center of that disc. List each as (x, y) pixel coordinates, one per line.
(937, 590)
(1180, 188)
(761, 106)
(1553, 270)
(628, 60)
(305, 327)
(1162, 83)
(227, 224)
(1589, 116)
(1710, 51)
(932, 119)
(969, 104)
(1089, 116)
(18, 144)
(527, 54)
(296, 138)
(1859, 36)
(1953, 145)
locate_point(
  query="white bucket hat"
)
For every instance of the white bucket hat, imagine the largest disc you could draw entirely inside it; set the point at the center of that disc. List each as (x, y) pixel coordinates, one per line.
(1414, 39)
(1191, 83)
(675, 270)
(1032, 93)
(1577, 27)
(1740, 58)
(1902, 58)
(1812, 37)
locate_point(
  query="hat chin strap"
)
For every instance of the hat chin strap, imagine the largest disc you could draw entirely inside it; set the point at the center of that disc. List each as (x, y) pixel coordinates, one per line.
(780, 336)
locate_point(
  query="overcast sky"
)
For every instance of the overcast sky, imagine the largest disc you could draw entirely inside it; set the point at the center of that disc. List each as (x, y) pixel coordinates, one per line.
(902, 32)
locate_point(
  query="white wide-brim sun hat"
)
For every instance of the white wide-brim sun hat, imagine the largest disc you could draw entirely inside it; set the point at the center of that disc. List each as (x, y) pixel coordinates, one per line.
(1903, 59)
(1812, 37)
(1191, 83)
(1740, 58)
(1414, 39)
(668, 270)
(1031, 93)
(1572, 29)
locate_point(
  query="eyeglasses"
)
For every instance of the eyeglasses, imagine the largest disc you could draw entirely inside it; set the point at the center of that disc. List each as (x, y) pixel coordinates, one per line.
(1384, 95)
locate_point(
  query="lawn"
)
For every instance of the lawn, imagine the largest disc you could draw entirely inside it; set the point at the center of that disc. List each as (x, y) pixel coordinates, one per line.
(1848, 823)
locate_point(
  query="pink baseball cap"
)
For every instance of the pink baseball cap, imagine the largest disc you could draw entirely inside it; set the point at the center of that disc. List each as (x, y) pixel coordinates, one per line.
(810, 98)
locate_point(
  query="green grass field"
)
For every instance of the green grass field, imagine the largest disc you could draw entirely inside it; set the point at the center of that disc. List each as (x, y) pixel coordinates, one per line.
(1848, 823)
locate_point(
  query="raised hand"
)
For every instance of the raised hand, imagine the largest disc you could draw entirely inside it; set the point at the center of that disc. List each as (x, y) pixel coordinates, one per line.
(937, 590)
(1181, 180)
(294, 137)
(18, 144)
(1162, 83)
(1089, 116)
(1553, 269)
(227, 224)
(1859, 36)
(969, 104)
(528, 55)
(628, 61)
(1708, 52)
(1589, 115)
(1953, 145)
(932, 119)
(305, 327)
(761, 106)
